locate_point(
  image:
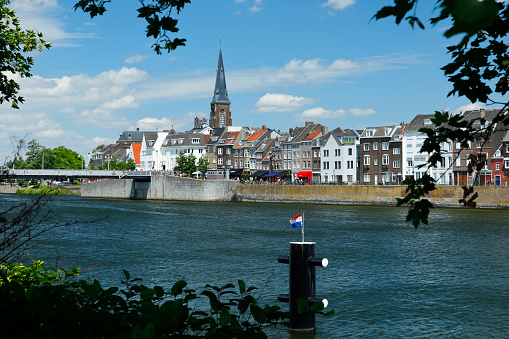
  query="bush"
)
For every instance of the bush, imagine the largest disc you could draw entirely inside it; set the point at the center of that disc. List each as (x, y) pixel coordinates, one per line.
(37, 301)
(41, 190)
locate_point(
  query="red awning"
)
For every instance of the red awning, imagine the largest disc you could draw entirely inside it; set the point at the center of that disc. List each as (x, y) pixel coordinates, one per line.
(305, 174)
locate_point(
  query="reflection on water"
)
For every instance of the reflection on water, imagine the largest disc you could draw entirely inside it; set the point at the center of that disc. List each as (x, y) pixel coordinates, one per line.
(384, 279)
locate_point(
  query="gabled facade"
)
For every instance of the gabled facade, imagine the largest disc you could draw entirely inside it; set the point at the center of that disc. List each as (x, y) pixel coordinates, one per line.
(338, 154)
(378, 164)
(482, 149)
(150, 153)
(185, 142)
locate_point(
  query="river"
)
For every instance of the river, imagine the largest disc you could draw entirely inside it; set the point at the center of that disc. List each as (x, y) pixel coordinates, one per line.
(385, 279)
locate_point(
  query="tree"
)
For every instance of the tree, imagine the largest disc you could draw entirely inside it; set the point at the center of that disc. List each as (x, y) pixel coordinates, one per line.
(203, 162)
(158, 15)
(15, 46)
(479, 71)
(65, 158)
(186, 163)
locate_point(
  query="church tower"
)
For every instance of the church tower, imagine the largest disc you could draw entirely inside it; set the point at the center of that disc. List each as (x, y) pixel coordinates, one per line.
(220, 114)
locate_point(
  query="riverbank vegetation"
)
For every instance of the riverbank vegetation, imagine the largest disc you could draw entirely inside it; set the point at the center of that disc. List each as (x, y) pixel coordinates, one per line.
(41, 190)
(54, 303)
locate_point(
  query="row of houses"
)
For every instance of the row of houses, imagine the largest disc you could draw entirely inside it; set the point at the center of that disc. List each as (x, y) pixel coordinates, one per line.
(375, 155)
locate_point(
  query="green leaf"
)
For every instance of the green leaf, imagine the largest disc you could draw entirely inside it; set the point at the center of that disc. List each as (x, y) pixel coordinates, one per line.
(224, 317)
(242, 286)
(302, 306)
(126, 275)
(178, 287)
(317, 307)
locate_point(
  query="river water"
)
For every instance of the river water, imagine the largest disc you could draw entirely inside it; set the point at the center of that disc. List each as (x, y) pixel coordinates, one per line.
(385, 279)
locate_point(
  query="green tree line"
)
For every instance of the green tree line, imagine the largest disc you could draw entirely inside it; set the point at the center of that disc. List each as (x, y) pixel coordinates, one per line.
(41, 157)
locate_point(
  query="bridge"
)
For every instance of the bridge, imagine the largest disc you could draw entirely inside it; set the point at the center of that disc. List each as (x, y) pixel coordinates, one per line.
(62, 174)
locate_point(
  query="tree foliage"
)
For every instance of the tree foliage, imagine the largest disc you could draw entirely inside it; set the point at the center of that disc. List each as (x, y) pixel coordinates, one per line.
(186, 163)
(478, 71)
(39, 156)
(15, 46)
(158, 14)
(52, 303)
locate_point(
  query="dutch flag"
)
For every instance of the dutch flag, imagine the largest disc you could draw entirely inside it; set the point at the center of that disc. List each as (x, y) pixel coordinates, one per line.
(296, 221)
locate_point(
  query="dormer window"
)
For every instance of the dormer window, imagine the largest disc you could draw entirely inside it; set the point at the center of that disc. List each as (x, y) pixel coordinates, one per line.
(195, 140)
(427, 121)
(151, 142)
(181, 141)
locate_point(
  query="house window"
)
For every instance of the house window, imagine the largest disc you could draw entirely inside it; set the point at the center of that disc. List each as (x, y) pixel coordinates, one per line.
(325, 152)
(366, 147)
(410, 163)
(375, 146)
(396, 164)
(396, 150)
(366, 160)
(220, 161)
(506, 163)
(325, 165)
(246, 153)
(367, 177)
(394, 176)
(337, 164)
(228, 151)
(219, 150)
(181, 140)
(497, 166)
(214, 160)
(385, 146)
(337, 152)
(350, 151)
(478, 143)
(315, 153)
(195, 140)
(375, 161)
(385, 159)
(369, 133)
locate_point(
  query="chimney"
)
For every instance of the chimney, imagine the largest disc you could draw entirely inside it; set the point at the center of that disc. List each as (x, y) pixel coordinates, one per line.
(482, 112)
(325, 130)
(264, 127)
(308, 123)
(290, 130)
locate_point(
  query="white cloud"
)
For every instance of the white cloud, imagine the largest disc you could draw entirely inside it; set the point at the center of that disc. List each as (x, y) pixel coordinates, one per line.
(101, 118)
(135, 58)
(255, 9)
(355, 112)
(339, 4)
(272, 102)
(151, 124)
(322, 113)
(126, 102)
(470, 107)
(176, 122)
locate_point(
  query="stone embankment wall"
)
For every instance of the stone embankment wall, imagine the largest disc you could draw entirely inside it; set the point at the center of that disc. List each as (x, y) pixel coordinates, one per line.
(8, 189)
(489, 197)
(162, 187)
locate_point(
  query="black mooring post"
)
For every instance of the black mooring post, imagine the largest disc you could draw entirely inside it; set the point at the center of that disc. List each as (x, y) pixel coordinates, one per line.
(302, 284)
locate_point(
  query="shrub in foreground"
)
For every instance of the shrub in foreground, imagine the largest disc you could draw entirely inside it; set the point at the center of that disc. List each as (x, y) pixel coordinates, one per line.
(40, 301)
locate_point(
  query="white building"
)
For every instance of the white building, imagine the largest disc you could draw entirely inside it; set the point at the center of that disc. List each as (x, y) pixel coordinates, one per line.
(415, 162)
(338, 155)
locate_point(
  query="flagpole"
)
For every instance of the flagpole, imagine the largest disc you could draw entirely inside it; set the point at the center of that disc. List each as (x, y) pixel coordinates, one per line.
(302, 226)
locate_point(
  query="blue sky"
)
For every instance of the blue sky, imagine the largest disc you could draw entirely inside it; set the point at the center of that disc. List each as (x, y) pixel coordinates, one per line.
(286, 62)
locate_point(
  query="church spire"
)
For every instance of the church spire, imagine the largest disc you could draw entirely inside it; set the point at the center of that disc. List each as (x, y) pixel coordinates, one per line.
(220, 91)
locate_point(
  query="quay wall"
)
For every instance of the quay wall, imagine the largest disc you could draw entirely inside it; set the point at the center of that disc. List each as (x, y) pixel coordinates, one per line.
(8, 189)
(166, 187)
(162, 187)
(445, 196)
